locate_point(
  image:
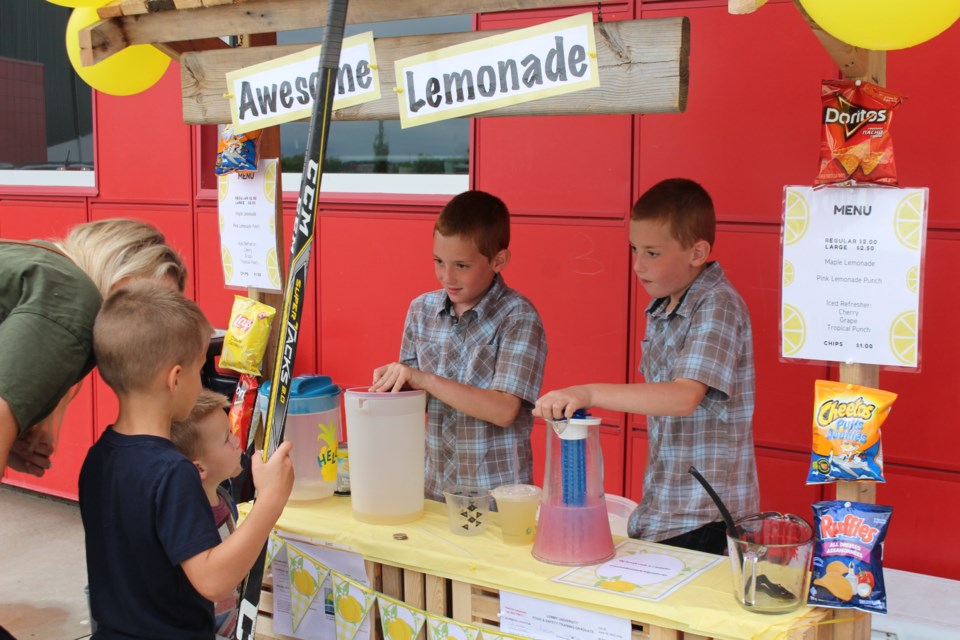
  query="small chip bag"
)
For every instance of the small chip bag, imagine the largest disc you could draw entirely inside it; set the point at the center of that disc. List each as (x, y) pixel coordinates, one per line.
(846, 432)
(855, 143)
(242, 409)
(247, 335)
(237, 154)
(847, 555)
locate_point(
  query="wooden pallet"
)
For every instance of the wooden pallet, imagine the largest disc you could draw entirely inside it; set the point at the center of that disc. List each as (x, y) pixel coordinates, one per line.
(480, 606)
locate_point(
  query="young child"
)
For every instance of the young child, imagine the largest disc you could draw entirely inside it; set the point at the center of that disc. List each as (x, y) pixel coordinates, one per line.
(204, 437)
(697, 364)
(155, 561)
(477, 348)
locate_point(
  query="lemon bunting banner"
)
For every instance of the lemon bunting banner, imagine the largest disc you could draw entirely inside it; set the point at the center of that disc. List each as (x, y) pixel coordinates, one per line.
(441, 628)
(351, 602)
(399, 620)
(305, 575)
(274, 546)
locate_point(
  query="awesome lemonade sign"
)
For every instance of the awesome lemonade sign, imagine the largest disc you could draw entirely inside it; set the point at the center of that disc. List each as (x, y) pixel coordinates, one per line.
(851, 274)
(520, 66)
(282, 90)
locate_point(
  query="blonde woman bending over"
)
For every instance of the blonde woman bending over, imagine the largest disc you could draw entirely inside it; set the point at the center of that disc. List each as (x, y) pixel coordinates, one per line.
(50, 293)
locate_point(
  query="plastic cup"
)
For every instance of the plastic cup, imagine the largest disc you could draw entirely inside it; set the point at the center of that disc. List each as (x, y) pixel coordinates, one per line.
(517, 505)
(771, 562)
(467, 509)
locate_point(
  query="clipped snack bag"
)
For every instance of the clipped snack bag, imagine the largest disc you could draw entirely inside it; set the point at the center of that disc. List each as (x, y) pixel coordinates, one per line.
(855, 143)
(237, 154)
(846, 432)
(247, 335)
(242, 409)
(847, 555)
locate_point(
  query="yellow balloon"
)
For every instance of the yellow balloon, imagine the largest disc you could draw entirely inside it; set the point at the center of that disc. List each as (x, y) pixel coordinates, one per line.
(73, 4)
(883, 24)
(126, 72)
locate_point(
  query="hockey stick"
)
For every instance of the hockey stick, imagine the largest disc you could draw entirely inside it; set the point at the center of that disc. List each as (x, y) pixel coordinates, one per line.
(293, 295)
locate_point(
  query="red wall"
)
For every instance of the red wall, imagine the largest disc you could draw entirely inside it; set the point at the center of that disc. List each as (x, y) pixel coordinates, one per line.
(750, 128)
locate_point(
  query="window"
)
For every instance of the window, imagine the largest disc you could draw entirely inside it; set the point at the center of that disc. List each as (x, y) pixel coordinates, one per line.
(380, 156)
(46, 117)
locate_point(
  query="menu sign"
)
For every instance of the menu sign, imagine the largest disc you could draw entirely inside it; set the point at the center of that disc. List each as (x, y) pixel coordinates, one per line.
(851, 274)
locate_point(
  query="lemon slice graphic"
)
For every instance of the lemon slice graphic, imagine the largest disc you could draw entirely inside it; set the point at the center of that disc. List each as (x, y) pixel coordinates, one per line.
(273, 268)
(227, 264)
(793, 330)
(270, 182)
(903, 337)
(913, 279)
(223, 188)
(908, 220)
(796, 217)
(788, 273)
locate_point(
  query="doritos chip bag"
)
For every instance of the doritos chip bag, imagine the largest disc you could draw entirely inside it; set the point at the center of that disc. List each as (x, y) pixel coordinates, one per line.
(847, 555)
(856, 143)
(247, 335)
(846, 432)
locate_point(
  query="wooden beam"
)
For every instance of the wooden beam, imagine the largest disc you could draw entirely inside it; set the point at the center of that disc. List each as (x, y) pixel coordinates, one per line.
(643, 68)
(177, 49)
(854, 63)
(156, 21)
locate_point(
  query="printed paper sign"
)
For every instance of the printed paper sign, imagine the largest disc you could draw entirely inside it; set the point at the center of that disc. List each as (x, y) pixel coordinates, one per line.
(544, 620)
(248, 244)
(642, 570)
(520, 66)
(852, 265)
(282, 90)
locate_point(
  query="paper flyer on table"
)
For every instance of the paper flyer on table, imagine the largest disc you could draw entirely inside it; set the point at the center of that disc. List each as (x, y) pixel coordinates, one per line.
(642, 570)
(248, 242)
(544, 620)
(317, 622)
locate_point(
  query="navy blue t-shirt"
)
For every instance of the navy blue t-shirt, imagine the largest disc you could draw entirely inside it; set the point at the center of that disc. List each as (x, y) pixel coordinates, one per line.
(144, 512)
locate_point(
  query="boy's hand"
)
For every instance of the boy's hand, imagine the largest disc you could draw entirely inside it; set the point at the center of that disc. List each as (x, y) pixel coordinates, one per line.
(394, 377)
(561, 403)
(273, 479)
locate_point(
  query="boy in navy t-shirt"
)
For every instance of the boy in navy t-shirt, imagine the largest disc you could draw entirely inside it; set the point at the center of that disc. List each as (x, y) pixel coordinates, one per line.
(155, 561)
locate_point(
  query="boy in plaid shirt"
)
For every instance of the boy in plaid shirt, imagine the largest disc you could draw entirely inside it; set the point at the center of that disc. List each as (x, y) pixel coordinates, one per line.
(697, 364)
(477, 347)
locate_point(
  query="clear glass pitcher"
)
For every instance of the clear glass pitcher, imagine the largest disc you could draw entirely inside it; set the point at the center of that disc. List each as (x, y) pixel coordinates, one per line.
(573, 528)
(771, 562)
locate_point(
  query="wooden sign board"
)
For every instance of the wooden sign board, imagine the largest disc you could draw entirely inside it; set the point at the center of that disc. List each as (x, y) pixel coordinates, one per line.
(643, 68)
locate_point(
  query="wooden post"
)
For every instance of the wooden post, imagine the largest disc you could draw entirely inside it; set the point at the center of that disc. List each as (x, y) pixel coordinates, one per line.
(857, 626)
(270, 148)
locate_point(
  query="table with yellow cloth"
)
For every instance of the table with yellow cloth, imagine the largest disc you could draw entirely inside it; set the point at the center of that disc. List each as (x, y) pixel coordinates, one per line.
(703, 608)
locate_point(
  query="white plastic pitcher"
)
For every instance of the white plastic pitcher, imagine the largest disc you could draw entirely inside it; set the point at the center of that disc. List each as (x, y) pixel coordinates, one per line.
(313, 426)
(386, 436)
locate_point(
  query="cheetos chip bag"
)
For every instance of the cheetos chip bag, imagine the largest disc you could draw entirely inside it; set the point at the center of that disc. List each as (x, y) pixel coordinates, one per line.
(247, 335)
(855, 143)
(846, 432)
(847, 556)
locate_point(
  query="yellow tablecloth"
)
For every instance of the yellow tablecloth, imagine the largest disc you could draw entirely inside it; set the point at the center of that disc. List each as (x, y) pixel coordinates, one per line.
(705, 606)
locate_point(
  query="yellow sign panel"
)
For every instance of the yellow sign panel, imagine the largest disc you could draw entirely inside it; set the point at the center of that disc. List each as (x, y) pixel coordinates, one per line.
(282, 90)
(520, 66)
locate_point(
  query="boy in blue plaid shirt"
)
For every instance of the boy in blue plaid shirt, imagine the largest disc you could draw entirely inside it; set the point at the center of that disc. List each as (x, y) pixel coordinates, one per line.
(477, 347)
(697, 364)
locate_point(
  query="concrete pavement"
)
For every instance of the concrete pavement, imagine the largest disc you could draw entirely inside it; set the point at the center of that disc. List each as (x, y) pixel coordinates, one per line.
(42, 567)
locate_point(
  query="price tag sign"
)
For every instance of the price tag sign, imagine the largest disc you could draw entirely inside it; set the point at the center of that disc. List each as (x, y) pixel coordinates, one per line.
(852, 266)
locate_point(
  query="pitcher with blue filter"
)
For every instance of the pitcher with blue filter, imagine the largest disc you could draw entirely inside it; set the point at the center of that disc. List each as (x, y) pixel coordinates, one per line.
(573, 528)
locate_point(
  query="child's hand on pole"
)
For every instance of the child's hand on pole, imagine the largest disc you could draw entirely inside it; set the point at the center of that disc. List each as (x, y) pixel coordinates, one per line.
(273, 479)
